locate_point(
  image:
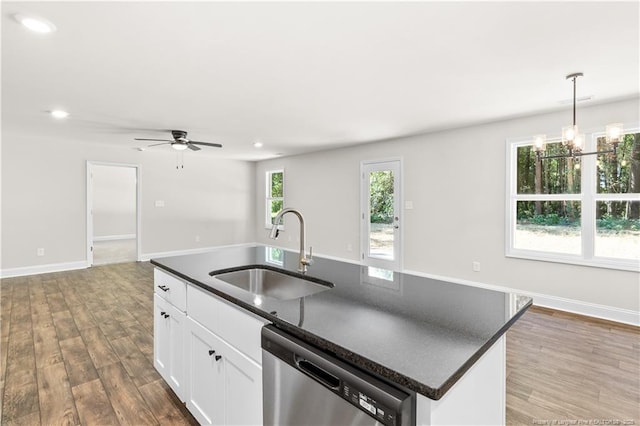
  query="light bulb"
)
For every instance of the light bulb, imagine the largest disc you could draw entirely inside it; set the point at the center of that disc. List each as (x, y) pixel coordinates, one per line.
(623, 163)
(539, 142)
(569, 134)
(179, 146)
(578, 142)
(614, 132)
(37, 25)
(58, 113)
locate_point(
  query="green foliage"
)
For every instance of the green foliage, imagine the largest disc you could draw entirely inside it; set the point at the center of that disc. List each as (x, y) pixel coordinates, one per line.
(551, 213)
(618, 224)
(551, 176)
(276, 184)
(381, 196)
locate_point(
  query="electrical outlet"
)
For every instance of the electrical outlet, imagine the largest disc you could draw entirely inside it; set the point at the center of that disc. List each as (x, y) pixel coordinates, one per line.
(349, 247)
(476, 266)
(197, 238)
(40, 252)
(159, 203)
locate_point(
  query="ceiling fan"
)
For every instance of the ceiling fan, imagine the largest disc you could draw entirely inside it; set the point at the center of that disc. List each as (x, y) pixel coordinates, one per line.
(180, 142)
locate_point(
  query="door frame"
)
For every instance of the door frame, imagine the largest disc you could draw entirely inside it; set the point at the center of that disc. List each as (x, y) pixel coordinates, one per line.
(89, 205)
(397, 264)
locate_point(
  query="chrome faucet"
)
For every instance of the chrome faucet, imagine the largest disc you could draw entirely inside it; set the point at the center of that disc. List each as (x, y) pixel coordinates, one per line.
(305, 260)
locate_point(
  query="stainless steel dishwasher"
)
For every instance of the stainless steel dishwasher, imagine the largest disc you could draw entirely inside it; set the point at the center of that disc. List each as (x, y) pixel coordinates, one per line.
(304, 386)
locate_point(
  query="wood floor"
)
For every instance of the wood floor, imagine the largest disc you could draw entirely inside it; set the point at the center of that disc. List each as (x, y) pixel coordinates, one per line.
(76, 348)
(562, 366)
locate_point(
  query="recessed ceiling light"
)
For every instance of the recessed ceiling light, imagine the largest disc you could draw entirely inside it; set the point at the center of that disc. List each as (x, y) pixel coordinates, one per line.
(38, 25)
(58, 113)
(257, 144)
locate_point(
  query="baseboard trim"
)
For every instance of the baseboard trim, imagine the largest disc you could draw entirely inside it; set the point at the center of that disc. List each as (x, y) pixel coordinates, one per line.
(149, 256)
(42, 269)
(625, 316)
(115, 237)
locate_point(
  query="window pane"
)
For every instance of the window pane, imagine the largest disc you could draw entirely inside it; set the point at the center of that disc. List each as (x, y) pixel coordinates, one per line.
(276, 184)
(552, 226)
(551, 176)
(618, 229)
(276, 206)
(381, 228)
(620, 174)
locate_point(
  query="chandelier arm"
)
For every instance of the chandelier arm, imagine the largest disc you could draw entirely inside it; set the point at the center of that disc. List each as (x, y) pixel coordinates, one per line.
(576, 154)
(574, 101)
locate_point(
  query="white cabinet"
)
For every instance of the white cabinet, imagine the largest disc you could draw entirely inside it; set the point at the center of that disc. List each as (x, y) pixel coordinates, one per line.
(224, 386)
(208, 351)
(169, 344)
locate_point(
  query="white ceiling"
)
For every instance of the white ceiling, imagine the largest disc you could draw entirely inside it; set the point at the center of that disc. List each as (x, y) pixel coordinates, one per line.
(305, 76)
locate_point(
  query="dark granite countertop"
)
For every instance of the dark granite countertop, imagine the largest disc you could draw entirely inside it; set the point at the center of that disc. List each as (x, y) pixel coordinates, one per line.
(420, 333)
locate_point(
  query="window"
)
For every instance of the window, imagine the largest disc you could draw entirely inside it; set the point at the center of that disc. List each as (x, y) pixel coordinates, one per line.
(275, 195)
(583, 210)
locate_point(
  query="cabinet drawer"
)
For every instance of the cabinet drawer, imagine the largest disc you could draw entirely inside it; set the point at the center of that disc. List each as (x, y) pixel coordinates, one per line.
(170, 289)
(203, 307)
(239, 328)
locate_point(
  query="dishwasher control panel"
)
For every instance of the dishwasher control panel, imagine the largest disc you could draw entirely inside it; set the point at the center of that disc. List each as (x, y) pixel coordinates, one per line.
(383, 414)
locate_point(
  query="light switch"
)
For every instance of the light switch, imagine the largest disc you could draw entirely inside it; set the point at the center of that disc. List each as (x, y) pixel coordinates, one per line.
(408, 205)
(159, 203)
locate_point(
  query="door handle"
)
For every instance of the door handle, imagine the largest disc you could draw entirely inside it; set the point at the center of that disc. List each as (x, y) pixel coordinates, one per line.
(163, 288)
(396, 226)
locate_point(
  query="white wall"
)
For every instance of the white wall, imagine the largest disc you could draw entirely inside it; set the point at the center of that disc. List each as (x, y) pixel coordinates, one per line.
(114, 201)
(44, 199)
(441, 236)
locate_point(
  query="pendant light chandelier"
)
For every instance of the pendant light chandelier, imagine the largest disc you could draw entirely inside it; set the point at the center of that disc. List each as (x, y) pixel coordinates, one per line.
(573, 140)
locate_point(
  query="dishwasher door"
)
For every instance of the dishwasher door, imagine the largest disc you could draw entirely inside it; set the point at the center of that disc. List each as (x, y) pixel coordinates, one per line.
(304, 386)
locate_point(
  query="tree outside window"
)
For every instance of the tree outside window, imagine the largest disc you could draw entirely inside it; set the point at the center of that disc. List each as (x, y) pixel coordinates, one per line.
(582, 210)
(275, 195)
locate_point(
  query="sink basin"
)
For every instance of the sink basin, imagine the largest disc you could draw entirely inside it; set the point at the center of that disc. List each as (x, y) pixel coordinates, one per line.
(271, 282)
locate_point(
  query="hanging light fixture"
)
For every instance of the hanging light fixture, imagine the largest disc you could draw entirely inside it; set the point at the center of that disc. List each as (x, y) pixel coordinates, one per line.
(573, 140)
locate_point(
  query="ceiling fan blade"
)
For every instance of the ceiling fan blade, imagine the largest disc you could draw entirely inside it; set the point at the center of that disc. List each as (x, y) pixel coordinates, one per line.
(159, 140)
(217, 145)
(192, 147)
(163, 143)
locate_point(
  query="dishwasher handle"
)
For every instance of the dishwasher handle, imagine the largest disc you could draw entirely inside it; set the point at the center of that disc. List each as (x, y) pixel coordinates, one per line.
(318, 373)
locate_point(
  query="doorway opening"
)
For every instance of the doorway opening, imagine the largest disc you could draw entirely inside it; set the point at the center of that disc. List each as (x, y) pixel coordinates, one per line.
(380, 214)
(113, 213)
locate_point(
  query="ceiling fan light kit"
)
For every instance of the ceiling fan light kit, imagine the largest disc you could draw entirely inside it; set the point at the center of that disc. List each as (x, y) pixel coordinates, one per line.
(180, 142)
(573, 140)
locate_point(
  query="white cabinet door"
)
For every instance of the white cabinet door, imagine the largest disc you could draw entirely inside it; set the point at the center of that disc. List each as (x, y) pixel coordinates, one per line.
(168, 344)
(225, 386)
(205, 394)
(160, 335)
(243, 385)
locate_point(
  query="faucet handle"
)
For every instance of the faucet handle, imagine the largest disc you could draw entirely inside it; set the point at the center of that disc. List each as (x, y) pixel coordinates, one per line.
(310, 252)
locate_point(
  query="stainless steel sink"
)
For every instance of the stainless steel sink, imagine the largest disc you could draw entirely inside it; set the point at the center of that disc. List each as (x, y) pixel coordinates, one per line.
(270, 282)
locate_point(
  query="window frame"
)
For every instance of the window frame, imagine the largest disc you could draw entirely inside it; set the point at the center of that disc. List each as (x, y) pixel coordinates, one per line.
(588, 197)
(269, 198)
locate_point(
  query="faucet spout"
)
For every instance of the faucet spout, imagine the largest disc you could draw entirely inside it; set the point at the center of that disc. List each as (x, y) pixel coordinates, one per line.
(304, 260)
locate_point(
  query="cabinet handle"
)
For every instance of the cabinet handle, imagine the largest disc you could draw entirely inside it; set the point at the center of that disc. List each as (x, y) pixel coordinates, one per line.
(163, 288)
(166, 315)
(163, 313)
(218, 357)
(211, 352)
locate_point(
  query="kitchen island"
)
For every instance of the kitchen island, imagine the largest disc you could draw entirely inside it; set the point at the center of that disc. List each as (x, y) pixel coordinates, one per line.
(440, 340)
